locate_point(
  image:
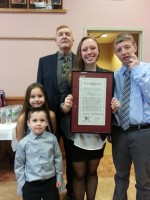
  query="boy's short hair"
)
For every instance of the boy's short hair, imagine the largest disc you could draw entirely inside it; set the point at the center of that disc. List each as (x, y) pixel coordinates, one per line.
(124, 37)
(37, 109)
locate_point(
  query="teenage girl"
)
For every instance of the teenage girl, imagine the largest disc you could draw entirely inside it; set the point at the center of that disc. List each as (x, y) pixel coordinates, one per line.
(85, 150)
(35, 97)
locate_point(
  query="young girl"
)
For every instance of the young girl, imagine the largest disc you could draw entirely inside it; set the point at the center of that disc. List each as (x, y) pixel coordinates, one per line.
(35, 97)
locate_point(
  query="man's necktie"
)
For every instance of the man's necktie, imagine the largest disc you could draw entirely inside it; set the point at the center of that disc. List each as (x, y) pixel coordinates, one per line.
(125, 104)
(65, 68)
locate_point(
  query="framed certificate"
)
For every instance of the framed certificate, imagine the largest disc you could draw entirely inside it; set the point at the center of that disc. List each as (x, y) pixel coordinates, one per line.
(92, 94)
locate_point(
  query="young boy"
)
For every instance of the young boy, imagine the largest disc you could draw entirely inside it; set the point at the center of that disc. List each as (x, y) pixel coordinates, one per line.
(38, 161)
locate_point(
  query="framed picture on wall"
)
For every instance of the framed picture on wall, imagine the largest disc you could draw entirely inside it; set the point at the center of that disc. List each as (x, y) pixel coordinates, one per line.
(19, 4)
(38, 4)
(4, 3)
(53, 6)
(56, 4)
(18, 1)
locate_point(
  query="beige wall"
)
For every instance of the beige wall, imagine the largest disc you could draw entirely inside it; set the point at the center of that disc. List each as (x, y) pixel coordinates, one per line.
(108, 59)
(115, 62)
(105, 56)
(19, 58)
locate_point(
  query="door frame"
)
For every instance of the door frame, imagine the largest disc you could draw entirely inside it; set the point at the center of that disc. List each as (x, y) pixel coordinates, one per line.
(138, 31)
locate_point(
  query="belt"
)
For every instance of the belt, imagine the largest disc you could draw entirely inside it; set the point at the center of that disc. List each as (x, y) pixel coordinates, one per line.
(138, 127)
(39, 181)
(135, 127)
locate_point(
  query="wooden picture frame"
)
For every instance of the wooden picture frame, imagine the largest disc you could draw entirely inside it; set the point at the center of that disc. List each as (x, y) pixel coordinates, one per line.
(91, 111)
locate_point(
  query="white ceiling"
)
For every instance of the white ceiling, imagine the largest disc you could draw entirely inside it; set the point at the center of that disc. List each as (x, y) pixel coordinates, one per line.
(98, 36)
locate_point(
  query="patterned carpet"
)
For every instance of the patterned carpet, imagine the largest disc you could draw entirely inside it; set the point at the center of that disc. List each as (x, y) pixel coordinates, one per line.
(6, 171)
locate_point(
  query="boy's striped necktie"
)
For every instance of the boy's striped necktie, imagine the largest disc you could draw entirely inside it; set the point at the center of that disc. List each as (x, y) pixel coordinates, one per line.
(125, 104)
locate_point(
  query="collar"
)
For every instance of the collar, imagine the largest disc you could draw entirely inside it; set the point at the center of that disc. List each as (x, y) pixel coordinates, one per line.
(60, 56)
(34, 136)
(123, 70)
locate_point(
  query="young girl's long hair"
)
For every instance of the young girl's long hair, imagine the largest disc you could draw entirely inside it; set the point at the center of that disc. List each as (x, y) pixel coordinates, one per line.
(27, 107)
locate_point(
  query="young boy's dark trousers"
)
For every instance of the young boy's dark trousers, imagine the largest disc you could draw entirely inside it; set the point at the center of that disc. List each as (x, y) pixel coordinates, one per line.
(41, 190)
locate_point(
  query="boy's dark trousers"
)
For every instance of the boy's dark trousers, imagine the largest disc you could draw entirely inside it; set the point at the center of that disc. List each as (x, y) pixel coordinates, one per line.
(41, 189)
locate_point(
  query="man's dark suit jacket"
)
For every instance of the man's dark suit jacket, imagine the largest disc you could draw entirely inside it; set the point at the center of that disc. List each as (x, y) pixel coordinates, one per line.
(47, 76)
(65, 122)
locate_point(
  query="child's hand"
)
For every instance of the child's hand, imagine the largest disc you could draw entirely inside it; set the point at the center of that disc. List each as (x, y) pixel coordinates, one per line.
(115, 104)
(58, 184)
(69, 101)
(67, 104)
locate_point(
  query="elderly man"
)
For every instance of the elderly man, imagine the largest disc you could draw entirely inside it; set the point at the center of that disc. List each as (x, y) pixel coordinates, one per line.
(50, 71)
